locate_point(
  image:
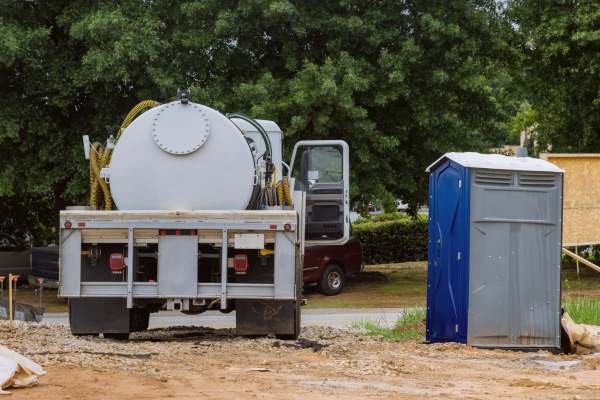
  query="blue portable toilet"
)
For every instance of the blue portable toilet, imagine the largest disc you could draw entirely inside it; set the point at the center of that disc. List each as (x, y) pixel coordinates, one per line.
(495, 229)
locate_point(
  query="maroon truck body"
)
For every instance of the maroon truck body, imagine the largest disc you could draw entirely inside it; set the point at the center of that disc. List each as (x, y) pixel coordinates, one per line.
(329, 266)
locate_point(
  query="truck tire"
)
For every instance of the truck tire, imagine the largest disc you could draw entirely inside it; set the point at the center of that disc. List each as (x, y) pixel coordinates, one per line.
(333, 280)
(139, 319)
(92, 316)
(294, 335)
(297, 311)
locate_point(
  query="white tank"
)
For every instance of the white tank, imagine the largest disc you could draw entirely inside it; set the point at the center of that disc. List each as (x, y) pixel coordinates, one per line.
(181, 157)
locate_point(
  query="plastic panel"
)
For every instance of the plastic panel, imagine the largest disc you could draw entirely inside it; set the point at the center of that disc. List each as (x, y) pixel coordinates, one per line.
(515, 265)
(447, 279)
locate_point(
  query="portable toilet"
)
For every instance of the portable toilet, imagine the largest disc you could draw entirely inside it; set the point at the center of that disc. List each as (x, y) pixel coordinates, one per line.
(494, 251)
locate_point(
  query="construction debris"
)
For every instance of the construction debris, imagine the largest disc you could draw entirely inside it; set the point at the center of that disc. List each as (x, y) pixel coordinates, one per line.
(17, 371)
(583, 339)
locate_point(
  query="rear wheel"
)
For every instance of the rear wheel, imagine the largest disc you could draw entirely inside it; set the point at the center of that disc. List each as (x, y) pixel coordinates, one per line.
(333, 280)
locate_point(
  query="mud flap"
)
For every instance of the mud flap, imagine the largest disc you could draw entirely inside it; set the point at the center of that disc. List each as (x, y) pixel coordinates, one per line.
(264, 317)
(91, 316)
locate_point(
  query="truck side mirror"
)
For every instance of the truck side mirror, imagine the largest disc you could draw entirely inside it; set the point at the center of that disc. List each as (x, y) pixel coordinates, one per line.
(321, 169)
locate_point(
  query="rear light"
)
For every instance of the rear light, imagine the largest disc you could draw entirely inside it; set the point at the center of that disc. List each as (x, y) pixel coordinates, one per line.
(116, 263)
(240, 263)
(68, 224)
(287, 227)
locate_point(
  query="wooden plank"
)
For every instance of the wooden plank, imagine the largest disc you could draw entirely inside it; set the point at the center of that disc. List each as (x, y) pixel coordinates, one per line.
(581, 197)
(581, 260)
(182, 215)
(141, 236)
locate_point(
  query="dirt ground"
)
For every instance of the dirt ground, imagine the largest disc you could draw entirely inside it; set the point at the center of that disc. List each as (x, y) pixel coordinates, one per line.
(192, 363)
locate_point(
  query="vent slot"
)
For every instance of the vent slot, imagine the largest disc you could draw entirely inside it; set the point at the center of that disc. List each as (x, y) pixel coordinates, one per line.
(494, 178)
(530, 179)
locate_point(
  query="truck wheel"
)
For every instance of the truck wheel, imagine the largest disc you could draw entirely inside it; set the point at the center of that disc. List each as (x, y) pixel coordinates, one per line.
(138, 319)
(296, 333)
(333, 280)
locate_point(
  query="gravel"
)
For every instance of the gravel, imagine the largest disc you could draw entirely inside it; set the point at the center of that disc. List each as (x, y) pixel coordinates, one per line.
(149, 353)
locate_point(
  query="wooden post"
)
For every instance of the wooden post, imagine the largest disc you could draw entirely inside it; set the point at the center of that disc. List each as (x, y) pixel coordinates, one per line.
(577, 262)
(581, 259)
(10, 301)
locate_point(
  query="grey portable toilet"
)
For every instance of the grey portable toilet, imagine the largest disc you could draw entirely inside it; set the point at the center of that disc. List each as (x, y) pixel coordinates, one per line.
(495, 229)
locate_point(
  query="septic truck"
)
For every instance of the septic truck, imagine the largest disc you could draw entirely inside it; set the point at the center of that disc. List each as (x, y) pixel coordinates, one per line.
(194, 210)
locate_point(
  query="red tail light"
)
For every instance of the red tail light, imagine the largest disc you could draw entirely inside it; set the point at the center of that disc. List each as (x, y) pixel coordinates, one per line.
(240, 263)
(116, 263)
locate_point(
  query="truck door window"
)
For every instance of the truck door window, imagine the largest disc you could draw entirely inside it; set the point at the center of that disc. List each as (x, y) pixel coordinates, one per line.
(318, 165)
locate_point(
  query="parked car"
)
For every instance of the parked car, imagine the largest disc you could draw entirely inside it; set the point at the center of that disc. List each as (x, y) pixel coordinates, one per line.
(329, 266)
(16, 263)
(44, 264)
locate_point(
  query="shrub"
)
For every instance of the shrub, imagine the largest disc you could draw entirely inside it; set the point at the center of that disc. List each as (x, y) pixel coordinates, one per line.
(383, 217)
(398, 240)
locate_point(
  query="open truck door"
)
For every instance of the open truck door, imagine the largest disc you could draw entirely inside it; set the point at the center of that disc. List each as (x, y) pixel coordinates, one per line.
(321, 168)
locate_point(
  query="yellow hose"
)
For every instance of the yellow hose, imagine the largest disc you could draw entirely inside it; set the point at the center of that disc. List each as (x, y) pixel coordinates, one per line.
(100, 158)
(283, 192)
(287, 198)
(279, 193)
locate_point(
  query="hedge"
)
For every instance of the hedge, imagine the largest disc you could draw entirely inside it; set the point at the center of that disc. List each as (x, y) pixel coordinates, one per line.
(395, 240)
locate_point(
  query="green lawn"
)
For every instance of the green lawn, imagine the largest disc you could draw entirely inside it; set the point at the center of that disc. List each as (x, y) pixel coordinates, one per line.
(586, 285)
(50, 300)
(384, 285)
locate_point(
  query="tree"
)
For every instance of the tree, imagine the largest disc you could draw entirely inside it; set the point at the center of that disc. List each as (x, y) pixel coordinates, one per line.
(560, 43)
(401, 81)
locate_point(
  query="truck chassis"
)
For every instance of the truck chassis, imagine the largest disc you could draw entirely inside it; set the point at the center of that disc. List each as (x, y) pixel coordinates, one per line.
(179, 247)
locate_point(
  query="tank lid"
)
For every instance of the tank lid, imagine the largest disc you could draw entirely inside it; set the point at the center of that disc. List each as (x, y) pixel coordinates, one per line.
(179, 128)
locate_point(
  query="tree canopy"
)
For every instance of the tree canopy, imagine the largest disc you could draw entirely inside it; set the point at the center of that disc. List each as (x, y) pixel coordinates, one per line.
(401, 81)
(560, 43)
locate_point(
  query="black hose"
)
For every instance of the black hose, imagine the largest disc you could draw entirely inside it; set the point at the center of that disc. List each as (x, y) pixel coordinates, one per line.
(258, 127)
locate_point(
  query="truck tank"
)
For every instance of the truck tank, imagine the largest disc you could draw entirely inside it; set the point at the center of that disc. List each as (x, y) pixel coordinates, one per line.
(181, 156)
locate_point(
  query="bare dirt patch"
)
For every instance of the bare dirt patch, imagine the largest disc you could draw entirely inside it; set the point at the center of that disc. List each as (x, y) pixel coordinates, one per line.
(191, 363)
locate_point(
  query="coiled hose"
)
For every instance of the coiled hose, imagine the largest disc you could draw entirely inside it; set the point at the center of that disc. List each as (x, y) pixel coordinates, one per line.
(283, 192)
(100, 197)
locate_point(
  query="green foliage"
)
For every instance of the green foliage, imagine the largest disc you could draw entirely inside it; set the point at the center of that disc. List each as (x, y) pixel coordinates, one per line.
(525, 120)
(559, 42)
(584, 310)
(383, 217)
(410, 326)
(391, 241)
(402, 82)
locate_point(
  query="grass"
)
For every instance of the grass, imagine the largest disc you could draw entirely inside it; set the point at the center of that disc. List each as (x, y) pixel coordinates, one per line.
(50, 300)
(587, 284)
(410, 326)
(378, 286)
(584, 310)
